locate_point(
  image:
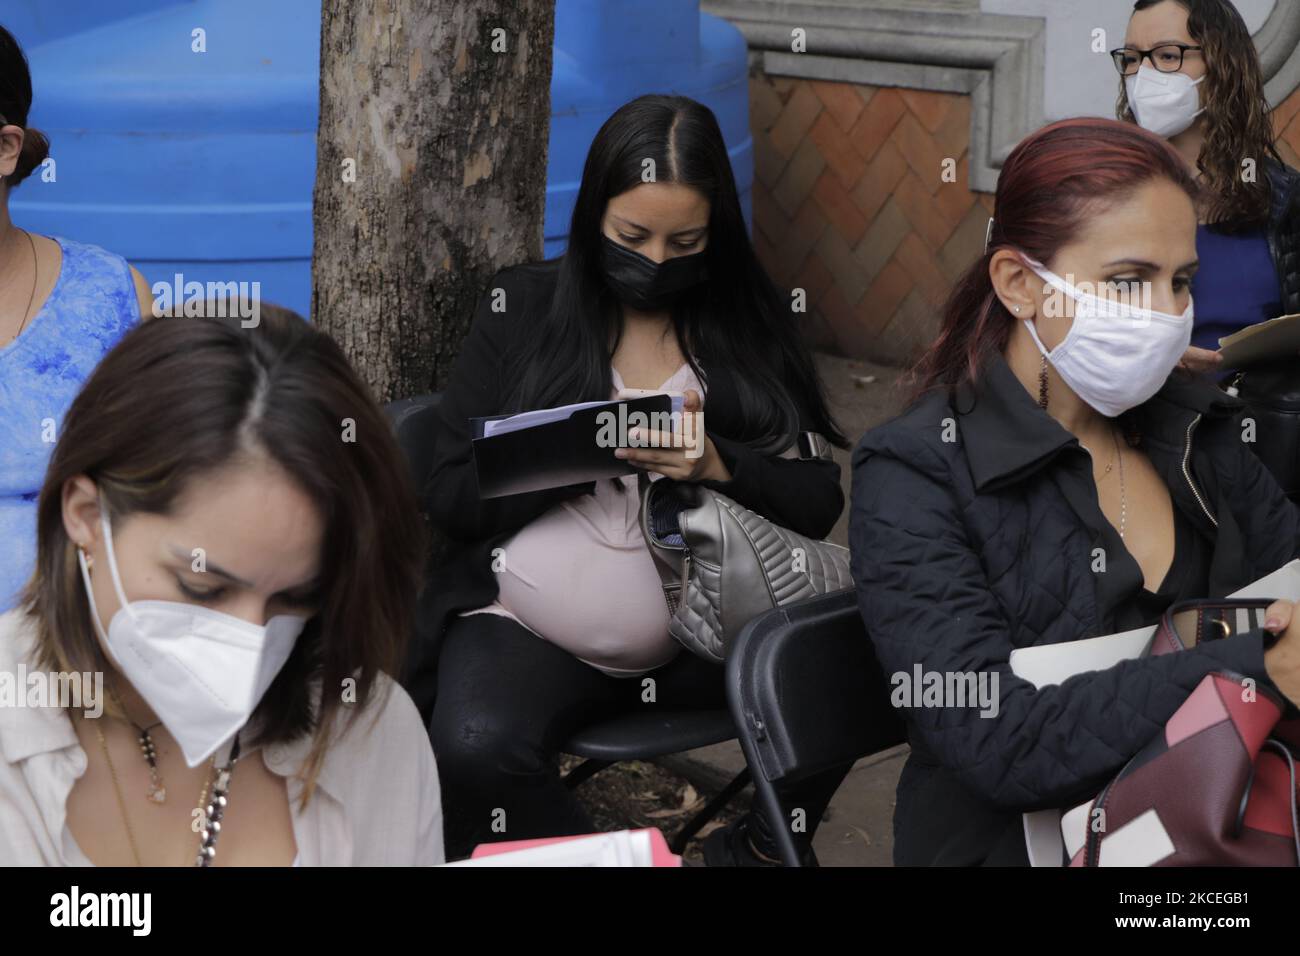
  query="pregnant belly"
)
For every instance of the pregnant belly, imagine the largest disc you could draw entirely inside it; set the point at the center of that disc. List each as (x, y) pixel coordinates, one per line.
(600, 601)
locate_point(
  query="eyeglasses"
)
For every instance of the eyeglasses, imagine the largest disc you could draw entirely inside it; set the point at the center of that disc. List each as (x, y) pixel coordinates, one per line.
(1167, 58)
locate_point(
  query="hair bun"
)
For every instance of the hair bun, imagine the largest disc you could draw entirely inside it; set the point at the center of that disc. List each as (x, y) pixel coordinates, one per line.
(36, 146)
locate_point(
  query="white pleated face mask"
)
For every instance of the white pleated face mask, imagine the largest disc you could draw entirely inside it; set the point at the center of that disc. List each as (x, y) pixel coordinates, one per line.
(1164, 103)
(202, 672)
(1116, 355)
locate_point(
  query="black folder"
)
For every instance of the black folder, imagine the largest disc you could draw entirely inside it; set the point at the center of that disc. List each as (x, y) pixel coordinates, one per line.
(554, 454)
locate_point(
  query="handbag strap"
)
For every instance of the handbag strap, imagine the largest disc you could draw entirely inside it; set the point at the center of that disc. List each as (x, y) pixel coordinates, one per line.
(672, 579)
(809, 445)
(1289, 757)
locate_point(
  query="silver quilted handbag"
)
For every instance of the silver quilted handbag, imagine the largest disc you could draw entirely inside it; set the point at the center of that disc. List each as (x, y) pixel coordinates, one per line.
(722, 565)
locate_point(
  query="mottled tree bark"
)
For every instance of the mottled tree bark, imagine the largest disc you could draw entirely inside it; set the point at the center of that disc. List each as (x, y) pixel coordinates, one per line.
(430, 175)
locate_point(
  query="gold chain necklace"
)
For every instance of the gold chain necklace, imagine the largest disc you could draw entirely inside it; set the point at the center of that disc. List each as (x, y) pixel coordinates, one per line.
(1117, 458)
(1123, 497)
(32, 297)
(121, 799)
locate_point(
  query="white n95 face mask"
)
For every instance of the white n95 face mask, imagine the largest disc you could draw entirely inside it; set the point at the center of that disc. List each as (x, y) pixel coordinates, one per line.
(1164, 103)
(1116, 355)
(202, 672)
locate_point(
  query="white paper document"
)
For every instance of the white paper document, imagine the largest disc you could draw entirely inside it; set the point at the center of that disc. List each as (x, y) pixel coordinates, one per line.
(544, 416)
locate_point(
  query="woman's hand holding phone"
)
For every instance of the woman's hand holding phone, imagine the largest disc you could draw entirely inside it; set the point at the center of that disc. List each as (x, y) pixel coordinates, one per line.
(691, 456)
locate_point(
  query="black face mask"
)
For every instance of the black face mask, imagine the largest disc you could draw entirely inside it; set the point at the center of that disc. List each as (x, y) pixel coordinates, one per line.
(641, 283)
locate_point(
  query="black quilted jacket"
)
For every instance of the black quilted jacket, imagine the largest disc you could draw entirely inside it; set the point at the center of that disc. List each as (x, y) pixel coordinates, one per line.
(966, 549)
(1284, 234)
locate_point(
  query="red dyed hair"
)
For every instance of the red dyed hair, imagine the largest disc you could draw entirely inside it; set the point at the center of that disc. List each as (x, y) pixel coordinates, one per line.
(1050, 184)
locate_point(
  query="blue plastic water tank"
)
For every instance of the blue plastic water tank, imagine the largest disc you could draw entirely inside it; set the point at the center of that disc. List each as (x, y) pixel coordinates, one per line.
(202, 163)
(610, 51)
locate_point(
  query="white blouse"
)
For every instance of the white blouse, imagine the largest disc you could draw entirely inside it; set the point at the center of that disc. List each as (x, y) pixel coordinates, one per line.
(377, 800)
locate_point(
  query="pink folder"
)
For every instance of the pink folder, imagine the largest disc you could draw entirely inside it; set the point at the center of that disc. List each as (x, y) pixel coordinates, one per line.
(659, 852)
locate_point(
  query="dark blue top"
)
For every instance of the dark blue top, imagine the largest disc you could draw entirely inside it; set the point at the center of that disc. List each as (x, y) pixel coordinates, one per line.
(1236, 286)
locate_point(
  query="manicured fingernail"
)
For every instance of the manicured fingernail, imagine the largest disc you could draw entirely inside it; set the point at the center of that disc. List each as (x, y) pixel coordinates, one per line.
(1272, 624)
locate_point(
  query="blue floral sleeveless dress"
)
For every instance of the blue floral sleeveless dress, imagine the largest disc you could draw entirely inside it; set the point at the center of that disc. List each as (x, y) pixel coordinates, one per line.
(92, 305)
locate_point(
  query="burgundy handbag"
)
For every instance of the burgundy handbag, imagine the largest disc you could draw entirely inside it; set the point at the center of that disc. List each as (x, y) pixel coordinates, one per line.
(1217, 787)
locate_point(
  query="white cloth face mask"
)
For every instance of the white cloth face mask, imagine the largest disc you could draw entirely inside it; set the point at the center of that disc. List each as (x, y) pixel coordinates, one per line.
(1116, 355)
(202, 672)
(1164, 103)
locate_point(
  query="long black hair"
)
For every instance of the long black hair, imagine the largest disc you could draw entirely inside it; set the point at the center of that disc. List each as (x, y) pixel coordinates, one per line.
(15, 102)
(736, 320)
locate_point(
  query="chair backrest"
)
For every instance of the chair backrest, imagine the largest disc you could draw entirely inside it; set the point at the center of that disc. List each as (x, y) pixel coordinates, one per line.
(806, 690)
(414, 420)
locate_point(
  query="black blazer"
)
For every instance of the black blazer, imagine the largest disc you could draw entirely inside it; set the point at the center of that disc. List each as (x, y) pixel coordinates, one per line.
(803, 495)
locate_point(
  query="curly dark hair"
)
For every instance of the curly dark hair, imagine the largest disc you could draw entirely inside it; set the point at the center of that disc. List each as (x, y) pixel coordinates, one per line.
(1238, 124)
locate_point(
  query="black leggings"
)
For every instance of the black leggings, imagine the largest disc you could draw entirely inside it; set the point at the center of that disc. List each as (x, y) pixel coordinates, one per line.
(507, 701)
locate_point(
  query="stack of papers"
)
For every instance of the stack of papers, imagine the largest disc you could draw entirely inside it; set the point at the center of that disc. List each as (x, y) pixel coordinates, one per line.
(543, 416)
(569, 445)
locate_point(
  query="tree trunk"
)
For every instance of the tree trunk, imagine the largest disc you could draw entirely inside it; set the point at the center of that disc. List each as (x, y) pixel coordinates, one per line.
(430, 173)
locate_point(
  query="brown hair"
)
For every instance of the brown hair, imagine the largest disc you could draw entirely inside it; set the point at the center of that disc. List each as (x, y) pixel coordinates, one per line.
(1238, 122)
(15, 103)
(181, 397)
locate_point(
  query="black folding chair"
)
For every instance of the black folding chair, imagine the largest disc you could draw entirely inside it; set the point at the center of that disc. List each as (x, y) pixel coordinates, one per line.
(415, 420)
(807, 694)
(605, 743)
(645, 736)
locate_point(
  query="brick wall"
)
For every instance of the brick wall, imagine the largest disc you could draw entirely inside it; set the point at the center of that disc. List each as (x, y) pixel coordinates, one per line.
(850, 204)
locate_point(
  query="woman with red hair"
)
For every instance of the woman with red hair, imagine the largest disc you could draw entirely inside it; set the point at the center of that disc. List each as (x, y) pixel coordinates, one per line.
(1052, 481)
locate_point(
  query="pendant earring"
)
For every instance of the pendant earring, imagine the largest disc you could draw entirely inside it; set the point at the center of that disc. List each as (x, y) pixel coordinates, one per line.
(90, 559)
(1042, 385)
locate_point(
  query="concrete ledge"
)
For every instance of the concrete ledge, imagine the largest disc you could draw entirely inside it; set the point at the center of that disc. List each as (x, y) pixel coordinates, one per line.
(1278, 41)
(997, 59)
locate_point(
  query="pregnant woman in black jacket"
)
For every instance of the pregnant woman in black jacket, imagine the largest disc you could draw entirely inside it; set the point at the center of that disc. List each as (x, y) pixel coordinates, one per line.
(546, 613)
(1053, 481)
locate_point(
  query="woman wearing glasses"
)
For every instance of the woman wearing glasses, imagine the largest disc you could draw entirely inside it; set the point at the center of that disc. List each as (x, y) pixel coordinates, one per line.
(1191, 74)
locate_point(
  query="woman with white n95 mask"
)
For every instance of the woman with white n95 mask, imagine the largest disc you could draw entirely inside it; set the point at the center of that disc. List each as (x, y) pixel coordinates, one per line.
(243, 576)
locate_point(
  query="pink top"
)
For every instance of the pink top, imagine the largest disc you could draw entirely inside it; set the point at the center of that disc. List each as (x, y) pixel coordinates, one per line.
(580, 575)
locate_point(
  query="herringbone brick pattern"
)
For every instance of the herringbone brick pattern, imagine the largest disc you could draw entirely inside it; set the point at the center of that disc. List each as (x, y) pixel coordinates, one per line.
(851, 205)
(1286, 123)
